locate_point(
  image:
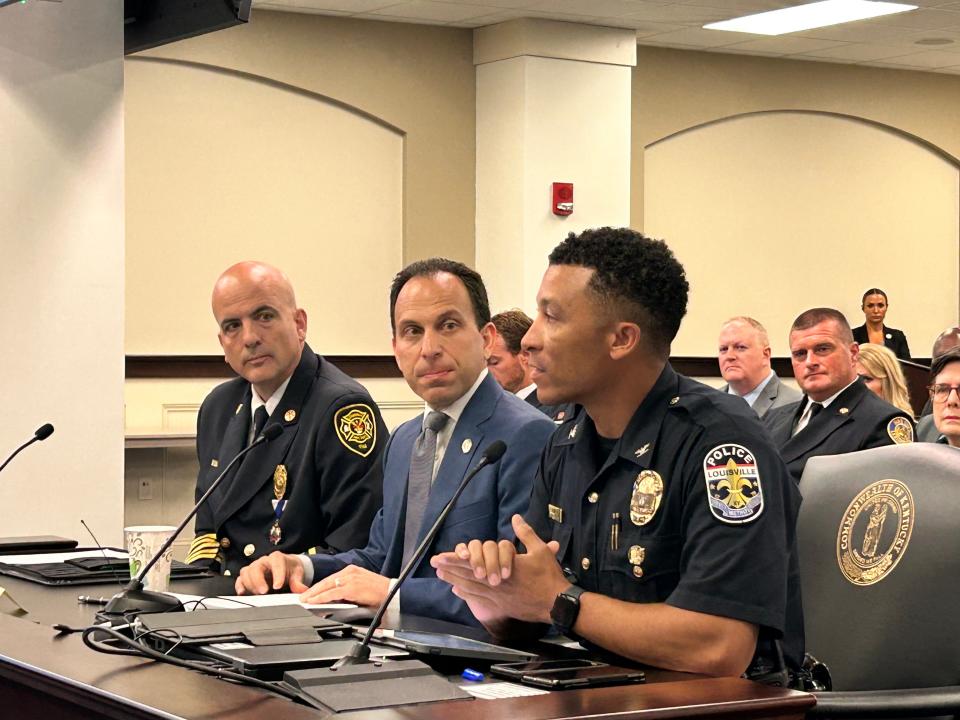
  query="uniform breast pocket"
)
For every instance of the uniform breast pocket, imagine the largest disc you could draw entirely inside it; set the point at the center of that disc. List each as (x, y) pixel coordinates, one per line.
(642, 569)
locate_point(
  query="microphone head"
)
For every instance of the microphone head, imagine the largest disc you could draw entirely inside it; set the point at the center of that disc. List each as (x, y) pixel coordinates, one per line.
(44, 431)
(272, 432)
(494, 451)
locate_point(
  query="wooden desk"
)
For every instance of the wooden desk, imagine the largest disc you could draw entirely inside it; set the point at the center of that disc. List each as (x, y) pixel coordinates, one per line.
(50, 676)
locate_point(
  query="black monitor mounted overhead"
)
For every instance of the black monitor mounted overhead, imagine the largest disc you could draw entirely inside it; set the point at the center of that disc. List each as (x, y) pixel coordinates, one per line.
(149, 23)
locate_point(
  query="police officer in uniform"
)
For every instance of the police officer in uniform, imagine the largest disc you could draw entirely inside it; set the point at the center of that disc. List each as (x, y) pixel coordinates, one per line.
(661, 525)
(838, 413)
(317, 486)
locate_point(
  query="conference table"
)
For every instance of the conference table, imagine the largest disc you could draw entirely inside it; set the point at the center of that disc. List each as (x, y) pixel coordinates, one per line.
(48, 675)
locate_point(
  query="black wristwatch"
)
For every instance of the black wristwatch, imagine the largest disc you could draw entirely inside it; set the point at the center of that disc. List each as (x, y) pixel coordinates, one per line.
(566, 608)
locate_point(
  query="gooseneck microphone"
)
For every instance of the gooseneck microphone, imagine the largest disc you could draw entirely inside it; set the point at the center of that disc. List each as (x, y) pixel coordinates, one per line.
(42, 433)
(133, 598)
(360, 652)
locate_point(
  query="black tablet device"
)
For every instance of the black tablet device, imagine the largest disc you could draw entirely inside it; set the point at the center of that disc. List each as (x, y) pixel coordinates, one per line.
(428, 643)
(516, 670)
(581, 677)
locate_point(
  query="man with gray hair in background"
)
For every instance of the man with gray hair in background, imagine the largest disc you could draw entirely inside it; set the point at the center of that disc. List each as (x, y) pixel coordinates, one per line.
(744, 356)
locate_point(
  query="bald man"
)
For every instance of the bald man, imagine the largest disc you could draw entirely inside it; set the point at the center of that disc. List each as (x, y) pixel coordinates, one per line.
(316, 487)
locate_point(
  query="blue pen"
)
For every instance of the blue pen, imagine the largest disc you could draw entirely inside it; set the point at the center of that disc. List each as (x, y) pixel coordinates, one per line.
(472, 675)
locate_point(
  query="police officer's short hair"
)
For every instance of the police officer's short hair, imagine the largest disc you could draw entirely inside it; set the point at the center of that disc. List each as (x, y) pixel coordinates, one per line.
(433, 266)
(638, 275)
(512, 325)
(814, 316)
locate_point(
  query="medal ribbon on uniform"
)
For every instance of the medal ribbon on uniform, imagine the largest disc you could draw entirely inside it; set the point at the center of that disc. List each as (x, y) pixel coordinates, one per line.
(279, 490)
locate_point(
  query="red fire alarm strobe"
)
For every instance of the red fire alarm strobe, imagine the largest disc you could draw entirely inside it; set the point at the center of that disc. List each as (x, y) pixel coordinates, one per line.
(562, 198)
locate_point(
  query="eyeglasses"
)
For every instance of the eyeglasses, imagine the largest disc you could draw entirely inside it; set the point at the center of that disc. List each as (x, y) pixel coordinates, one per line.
(939, 392)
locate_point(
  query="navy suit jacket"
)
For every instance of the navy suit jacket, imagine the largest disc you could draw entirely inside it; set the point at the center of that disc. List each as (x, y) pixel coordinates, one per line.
(483, 510)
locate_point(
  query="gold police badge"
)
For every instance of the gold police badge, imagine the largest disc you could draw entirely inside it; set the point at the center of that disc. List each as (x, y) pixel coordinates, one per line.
(646, 497)
(734, 492)
(875, 531)
(356, 428)
(900, 430)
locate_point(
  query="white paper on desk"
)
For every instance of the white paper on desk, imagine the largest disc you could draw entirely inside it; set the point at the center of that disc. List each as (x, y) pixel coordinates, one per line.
(497, 690)
(40, 558)
(237, 602)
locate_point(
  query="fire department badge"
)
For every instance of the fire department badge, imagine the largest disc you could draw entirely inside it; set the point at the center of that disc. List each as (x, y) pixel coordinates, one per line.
(875, 531)
(356, 429)
(900, 430)
(734, 492)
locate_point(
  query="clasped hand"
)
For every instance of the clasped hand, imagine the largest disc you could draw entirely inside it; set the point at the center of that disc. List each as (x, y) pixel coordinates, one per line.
(498, 583)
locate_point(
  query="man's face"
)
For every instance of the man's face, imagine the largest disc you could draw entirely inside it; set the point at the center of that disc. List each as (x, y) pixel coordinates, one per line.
(875, 308)
(567, 343)
(507, 369)
(261, 332)
(744, 361)
(437, 344)
(946, 414)
(823, 363)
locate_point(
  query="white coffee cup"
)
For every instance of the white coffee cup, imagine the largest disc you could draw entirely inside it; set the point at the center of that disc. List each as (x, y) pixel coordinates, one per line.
(143, 542)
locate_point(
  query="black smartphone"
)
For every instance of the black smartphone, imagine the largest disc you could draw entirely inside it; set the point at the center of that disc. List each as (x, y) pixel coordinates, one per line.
(516, 670)
(593, 676)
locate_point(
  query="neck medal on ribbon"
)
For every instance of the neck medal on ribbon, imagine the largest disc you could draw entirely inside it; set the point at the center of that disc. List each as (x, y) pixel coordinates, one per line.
(279, 490)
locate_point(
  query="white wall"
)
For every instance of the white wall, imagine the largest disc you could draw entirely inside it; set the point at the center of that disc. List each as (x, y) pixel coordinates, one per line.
(61, 274)
(775, 213)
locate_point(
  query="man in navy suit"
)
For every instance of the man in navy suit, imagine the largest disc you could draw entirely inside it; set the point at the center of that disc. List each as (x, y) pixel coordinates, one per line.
(441, 335)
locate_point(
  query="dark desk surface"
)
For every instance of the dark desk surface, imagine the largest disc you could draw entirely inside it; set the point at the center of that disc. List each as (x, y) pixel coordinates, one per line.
(42, 674)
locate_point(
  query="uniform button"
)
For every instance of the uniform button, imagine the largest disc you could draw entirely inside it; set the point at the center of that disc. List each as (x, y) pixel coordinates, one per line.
(638, 571)
(249, 550)
(225, 543)
(675, 400)
(593, 497)
(226, 573)
(585, 563)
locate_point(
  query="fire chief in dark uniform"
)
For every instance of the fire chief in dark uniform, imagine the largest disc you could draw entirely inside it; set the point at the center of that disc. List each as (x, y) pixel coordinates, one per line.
(838, 413)
(661, 524)
(318, 485)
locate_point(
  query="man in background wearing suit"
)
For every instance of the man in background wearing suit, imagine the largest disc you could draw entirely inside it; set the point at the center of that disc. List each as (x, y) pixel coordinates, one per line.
(838, 413)
(318, 485)
(508, 363)
(744, 355)
(442, 334)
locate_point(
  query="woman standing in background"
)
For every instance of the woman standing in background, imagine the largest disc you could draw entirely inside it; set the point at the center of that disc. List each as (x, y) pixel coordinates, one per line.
(874, 305)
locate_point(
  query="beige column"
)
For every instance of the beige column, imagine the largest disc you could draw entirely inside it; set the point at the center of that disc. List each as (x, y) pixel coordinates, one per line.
(553, 105)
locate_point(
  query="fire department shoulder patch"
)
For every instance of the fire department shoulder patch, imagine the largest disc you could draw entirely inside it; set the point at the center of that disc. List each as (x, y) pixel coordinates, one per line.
(356, 428)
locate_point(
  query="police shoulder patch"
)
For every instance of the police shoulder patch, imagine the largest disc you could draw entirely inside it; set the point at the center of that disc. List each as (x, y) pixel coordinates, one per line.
(356, 429)
(734, 492)
(900, 430)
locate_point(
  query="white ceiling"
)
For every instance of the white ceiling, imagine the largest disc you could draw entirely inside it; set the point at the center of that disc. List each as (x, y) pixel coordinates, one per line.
(925, 39)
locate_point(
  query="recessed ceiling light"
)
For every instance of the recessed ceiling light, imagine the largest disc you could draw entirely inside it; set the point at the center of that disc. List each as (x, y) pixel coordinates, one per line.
(805, 17)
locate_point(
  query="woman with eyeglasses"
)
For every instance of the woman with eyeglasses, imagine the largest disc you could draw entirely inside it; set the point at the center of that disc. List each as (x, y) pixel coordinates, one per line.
(945, 395)
(881, 373)
(874, 305)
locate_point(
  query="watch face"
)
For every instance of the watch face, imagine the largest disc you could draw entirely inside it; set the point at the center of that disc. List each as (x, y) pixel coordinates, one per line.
(565, 610)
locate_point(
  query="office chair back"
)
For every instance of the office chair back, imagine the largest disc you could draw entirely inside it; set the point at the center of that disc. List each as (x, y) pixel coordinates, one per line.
(879, 545)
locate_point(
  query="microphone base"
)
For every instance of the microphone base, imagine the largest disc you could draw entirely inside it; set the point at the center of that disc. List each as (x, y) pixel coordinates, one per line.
(371, 685)
(138, 601)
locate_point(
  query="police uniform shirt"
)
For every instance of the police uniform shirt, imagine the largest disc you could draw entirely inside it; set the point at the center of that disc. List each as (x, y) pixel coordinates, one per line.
(707, 510)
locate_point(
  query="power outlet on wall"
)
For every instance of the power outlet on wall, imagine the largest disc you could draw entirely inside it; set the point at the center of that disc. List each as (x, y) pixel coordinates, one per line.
(146, 489)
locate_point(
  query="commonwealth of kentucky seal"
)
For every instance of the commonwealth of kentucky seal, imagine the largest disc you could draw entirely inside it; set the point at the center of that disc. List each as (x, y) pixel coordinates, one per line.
(875, 531)
(356, 429)
(733, 484)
